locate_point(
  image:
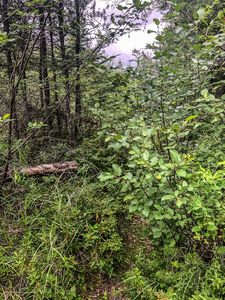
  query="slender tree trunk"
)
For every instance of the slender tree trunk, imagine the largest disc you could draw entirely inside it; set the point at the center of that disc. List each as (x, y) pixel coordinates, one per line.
(64, 61)
(53, 60)
(6, 27)
(25, 98)
(41, 81)
(24, 39)
(43, 76)
(11, 72)
(78, 107)
(11, 76)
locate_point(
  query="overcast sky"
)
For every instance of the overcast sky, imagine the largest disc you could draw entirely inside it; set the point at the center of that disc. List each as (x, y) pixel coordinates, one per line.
(135, 40)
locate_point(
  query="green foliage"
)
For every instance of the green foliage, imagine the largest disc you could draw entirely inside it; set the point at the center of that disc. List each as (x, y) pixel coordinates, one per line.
(62, 234)
(169, 275)
(182, 199)
(144, 216)
(169, 166)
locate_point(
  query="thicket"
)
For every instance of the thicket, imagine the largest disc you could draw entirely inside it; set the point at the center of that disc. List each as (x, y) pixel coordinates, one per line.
(143, 216)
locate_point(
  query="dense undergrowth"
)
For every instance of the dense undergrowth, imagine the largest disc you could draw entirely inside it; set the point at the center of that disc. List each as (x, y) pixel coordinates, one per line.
(143, 217)
(73, 238)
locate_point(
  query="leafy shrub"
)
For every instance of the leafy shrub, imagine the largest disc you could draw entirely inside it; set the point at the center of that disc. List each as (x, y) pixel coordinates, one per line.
(171, 186)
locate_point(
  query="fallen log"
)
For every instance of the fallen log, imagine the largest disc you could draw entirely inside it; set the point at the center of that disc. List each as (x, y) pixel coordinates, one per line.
(48, 169)
(41, 170)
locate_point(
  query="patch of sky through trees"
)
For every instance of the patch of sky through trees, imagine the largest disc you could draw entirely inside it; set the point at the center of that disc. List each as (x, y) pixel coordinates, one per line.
(137, 40)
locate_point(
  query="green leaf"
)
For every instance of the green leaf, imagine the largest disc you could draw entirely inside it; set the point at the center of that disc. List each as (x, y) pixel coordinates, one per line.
(146, 211)
(105, 176)
(211, 226)
(196, 228)
(179, 203)
(167, 197)
(128, 176)
(149, 31)
(201, 13)
(179, 7)
(220, 14)
(181, 173)
(149, 176)
(220, 250)
(204, 93)
(175, 156)
(172, 242)
(117, 170)
(133, 208)
(154, 161)
(3, 38)
(157, 233)
(191, 118)
(156, 21)
(137, 3)
(121, 7)
(6, 116)
(146, 155)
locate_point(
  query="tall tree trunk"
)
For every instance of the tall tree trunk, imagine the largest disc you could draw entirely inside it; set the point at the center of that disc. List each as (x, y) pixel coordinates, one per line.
(24, 36)
(11, 72)
(64, 61)
(43, 76)
(6, 28)
(53, 60)
(78, 107)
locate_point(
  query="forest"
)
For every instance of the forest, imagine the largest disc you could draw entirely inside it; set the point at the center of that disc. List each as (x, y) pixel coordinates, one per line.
(112, 175)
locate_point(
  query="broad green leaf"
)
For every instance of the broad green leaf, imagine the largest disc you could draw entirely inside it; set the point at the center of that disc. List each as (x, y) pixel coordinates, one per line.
(146, 155)
(149, 176)
(179, 203)
(175, 156)
(211, 226)
(157, 232)
(196, 228)
(105, 176)
(167, 197)
(133, 208)
(181, 173)
(154, 161)
(128, 176)
(146, 211)
(201, 13)
(117, 170)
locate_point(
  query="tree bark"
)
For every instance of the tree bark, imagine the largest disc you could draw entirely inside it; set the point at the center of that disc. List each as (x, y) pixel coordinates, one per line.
(44, 79)
(11, 72)
(78, 107)
(64, 61)
(44, 169)
(53, 60)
